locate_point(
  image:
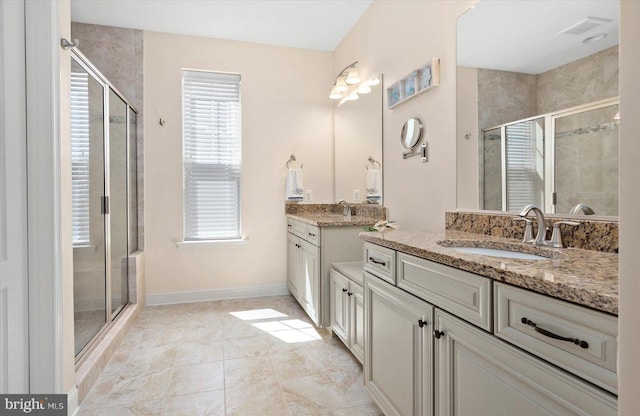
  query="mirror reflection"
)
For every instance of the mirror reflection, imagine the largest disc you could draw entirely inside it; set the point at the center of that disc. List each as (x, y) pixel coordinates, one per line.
(358, 137)
(411, 133)
(538, 110)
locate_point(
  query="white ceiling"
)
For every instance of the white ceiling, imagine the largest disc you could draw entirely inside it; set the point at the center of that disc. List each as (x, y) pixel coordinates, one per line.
(309, 24)
(522, 36)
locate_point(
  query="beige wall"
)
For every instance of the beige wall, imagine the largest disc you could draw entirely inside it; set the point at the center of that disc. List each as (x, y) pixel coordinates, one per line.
(285, 110)
(629, 362)
(467, 148)
(394, 38)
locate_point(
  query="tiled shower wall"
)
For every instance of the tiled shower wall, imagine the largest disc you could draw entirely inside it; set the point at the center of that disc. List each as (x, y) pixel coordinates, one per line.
(118, 54)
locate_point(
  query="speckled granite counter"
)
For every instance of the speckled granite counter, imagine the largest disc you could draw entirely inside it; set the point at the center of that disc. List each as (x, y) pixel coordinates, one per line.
(333, 220)
(587, 278)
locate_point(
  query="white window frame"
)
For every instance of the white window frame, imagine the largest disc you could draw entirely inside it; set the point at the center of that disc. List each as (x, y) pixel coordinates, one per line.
(192, 235)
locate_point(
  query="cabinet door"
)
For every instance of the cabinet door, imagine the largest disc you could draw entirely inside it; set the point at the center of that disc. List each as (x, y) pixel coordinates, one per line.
(339, 287)
(356, 321)
(398, 349)
(293, 265)
(310, 273)
(478, 375)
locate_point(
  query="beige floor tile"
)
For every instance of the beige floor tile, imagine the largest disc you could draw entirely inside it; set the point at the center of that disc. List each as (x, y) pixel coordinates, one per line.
(199, 352)
(99, 394)
(152, 408)
(313, 395)
(256, 400)
(197, 359)
(148, 386)
(142, 360)
(253, 370)
(298, 362)
(252, 346)
(197, 378)
(117, 363)
(210, 403)
(365, 410)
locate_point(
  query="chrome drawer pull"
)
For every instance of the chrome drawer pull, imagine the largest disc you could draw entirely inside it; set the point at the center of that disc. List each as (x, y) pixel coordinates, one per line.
(382, 263)
(582, 344)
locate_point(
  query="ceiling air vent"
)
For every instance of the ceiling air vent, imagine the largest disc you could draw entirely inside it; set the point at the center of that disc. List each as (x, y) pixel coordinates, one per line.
(584, 25)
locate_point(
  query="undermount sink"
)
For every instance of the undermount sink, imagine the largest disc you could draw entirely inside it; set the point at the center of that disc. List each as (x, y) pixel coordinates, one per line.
(494, 252)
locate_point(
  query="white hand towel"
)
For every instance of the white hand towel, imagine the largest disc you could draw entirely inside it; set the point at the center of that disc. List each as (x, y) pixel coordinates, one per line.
(373, 184)
(295, 189)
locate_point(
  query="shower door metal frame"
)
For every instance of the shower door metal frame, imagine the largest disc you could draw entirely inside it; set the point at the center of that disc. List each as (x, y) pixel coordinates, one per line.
(110, 316)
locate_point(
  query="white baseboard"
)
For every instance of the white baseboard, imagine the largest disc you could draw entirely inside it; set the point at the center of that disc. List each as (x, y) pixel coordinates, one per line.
(274, 289)
(72, 402)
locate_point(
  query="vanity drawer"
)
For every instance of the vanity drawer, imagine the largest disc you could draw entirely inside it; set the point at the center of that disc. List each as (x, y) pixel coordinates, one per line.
(299, 228)
(380, 261)
(594, 355)
(312, 234)
(461, 293)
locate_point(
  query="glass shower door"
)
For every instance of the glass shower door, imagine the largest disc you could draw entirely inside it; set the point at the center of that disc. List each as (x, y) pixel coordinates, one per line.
(118, 209)
(88, 221)
(586, 160)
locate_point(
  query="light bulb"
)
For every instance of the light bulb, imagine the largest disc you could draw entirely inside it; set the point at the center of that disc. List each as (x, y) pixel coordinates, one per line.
(364, 88)
(374, 81)
(353, 77)
(335, 94)
(341, 86)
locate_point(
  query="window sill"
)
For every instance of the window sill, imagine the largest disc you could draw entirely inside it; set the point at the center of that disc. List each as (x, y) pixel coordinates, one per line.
(84, 249)
(188, 245)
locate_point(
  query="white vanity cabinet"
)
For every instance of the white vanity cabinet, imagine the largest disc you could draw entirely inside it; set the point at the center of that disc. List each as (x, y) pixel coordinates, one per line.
(310, 252)
(476, 374)
(398, 349)
(347, 306)
(303, 274)
(457, 364)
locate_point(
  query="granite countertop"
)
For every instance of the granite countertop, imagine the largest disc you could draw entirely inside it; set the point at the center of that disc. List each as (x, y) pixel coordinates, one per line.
(333, 220)
(584, 277)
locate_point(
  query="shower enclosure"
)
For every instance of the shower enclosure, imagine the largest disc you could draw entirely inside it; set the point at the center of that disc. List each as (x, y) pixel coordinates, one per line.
(104, 204)
(554, 161)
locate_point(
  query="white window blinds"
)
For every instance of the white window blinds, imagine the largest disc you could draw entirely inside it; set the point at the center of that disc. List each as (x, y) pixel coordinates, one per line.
(525, 164)
(211, 155)
(80, 157)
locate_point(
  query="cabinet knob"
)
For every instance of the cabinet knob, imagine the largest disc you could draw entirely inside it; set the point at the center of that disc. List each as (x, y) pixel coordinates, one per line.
(344, 290)
(350, 293)
(438, 334)
(421, 323)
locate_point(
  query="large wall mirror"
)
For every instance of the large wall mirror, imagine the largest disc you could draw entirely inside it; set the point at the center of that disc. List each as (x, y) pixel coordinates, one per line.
(538, 115)
(358, 147)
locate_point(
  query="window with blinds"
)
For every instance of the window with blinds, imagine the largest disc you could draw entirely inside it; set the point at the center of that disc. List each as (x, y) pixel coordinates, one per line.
(525, 164)
(80, 157)
(211, 155)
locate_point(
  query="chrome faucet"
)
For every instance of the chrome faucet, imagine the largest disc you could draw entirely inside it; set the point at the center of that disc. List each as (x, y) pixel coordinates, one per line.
(540, 239)
(346, 210)
(586, 210)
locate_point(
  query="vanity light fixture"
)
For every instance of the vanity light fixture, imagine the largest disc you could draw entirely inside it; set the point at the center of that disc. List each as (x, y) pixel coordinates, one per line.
(346, 78)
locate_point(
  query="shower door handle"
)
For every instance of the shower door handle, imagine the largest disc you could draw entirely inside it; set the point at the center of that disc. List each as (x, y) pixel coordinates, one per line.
(104, 204)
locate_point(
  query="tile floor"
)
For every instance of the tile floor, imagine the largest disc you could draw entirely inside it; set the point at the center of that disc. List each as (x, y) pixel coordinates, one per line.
(245, 357)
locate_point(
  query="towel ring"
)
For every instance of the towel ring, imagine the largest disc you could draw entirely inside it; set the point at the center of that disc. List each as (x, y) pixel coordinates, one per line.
(373, 162)
(292, 158)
